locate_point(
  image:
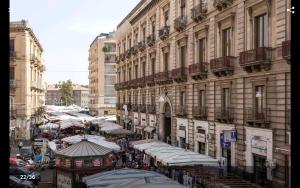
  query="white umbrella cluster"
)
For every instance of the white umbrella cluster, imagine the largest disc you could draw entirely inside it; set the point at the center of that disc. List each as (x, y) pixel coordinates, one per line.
(49, 126)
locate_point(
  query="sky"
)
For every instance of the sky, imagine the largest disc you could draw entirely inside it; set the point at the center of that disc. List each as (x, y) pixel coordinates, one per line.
(66, 28)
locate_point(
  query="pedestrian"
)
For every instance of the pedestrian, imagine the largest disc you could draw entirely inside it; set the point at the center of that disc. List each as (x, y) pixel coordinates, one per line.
(20, 145)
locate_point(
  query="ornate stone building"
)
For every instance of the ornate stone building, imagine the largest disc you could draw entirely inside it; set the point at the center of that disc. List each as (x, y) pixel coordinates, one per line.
(27, 88)
(212, 76)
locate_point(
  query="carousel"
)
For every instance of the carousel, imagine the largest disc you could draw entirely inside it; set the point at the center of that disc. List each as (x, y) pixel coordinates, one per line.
(79, 160)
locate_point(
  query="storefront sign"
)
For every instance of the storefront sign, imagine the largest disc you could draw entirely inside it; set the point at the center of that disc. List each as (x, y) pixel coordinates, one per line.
(181, 133)
(64, 180)
(200, 137)
(229, 136)
(259, 146)
(224, 143)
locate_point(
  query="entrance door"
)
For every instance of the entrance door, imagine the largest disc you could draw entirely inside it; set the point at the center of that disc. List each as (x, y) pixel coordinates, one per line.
(167, 123)
(260, 170)
(228, 160)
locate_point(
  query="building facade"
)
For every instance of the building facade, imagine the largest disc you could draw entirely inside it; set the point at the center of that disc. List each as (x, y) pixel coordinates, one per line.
(212, 76)
(102, 75)
(27, 88)
(80, 95)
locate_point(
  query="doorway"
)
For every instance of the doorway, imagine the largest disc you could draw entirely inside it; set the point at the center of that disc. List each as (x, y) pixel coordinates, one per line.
(167, 122)
(226, 153)
(260, 170)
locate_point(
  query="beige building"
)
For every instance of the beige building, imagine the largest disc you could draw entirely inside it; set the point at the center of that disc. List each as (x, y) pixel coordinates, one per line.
(80, 95)
(214, 77)
(27, 88)
(102, 75)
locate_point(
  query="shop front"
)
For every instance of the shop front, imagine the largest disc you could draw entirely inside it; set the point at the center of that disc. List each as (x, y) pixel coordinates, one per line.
(182, 133)
(200, 137)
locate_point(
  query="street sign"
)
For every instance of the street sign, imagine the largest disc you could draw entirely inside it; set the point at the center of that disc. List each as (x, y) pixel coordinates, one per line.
(230, 135)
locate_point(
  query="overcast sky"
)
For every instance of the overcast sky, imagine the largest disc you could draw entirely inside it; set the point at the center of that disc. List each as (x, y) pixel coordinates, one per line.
(66, 28)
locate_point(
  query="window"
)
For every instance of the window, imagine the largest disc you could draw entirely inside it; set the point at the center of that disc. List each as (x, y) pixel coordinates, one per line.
(201, 102)
(136, 37)
(124, 75)
(182, 55)
(201, 48)
(153, 66)
(11, 73)
(225, 99)
(144, 68)
(129, 43)
(144, 33)
(136, 71)
(129, 98)
(259, 99)
(166, 17)
(261, 31)
(153, 27)
(124, 99)
(166, 62)
(201, 149)
(129, 73)
(124, 47)
(143, 98)
(226, 42)
(182, 98)
(182, 8)
(11, 45)
(153, 98)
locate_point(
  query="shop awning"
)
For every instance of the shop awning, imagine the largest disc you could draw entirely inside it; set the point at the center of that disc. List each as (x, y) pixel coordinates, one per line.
(149, 129)
(139, 127)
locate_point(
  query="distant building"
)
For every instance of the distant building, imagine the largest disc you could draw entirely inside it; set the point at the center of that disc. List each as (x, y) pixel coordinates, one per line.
(102, 76)
(27, 88)
(80, 95)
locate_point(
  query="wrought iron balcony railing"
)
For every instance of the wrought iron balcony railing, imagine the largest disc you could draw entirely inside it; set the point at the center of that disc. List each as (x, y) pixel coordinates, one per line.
(224, 115)
(122, 57)
(286, 50)
(222, 66)
(198, 70)
(142, 45)
(256, 59)
(180, 23)
(164, 32)
(181, 110)
(199, 11)
(150, 81)
(151, 108)
(142, 108)
(162, 78)
(180, 74)
(200, 112)
(128, 53)
(129, 106)
(222, 4)
(258, 118)
(135, 107)
(151, 40)
(134, 49)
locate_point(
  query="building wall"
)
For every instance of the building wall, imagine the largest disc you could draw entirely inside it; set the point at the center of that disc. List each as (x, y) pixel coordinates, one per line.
(275, 77)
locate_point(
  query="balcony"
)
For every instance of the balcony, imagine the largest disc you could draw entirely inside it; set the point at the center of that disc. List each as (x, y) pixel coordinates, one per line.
(133, 84)
(117, 86)
(135, 107)
(12, 83)
(151, 108)
(224, 115)
(164, 32)
(180, 74)
(258, 119)
(118, 59)
(198, 71)
(199, 12)
(181, 110)
(222, 66)
(141, 82)
(222, 4)
(142, 108)
(286, 50)
(150, 81)
(256, 60)
(129, 106)
(180, 23)
(122, 57)
(134, 49)
(151, 40)
(200, 112)
(163, 78)
(142, 45)
(128, 53)
(119, 106)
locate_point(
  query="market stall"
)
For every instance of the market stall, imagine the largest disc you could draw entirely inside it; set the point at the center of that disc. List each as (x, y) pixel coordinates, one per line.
(81, 159)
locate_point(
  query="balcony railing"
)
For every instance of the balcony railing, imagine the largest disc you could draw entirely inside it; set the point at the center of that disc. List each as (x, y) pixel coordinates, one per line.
(141, 82)
(150, 81)
(164, 32)
(128, 53)
(151, 40)
(117, 86)
(180, 74)
(134, 49)
(142, 108)
(222, 66)
(257, 118)
(12, 83)
(122, 57)
(224, 115)
(181, 110)
(151, 109)
(200, 112)
(198, 70)
(162, 78)
(142, 45)
(180, 23)
(222, 4)
(129, 106)
(256, 59)
(135, 107)
(286, 50)
(199, 11)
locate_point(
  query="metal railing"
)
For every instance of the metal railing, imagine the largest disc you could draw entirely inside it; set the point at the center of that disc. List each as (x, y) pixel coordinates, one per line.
(222, 4)
(142, 108)
(258, 55)
(200, 112)
(164, 32)
(224, 114)
(258, 118)
(151, 40)
(199, 11)
(142, 45)
(222, 63)
(135, 107)
(180, 74)
(151, 108)
(180, 23)
(181, 110)
(198, 68)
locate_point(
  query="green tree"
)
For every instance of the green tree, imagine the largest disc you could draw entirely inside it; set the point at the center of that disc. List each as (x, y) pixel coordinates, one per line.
(66, 88)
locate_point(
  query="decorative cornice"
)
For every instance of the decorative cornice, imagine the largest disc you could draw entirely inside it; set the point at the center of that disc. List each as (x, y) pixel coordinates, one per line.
(144, 11)
(23, 29)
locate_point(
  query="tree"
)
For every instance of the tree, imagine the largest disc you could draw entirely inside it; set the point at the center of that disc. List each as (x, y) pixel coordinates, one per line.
(66, 88)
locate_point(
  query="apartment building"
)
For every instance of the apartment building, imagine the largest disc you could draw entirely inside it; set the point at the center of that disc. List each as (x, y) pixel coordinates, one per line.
(212, 76)
(27, 88)
(80, 95)
(102, 75)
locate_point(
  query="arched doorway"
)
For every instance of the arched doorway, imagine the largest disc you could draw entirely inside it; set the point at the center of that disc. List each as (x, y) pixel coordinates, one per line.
(167, 123)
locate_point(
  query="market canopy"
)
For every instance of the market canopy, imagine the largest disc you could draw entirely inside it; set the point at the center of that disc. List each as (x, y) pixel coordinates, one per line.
(119, 132)
(128, 178)
(70, 123)
(84, 148)
(49, 126)
(174, 156)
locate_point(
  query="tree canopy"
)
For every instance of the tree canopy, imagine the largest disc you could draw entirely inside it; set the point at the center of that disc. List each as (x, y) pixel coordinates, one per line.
(66, 88)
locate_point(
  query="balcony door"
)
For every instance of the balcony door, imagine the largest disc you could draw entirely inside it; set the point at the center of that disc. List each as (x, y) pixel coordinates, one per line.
(201, 52)
(201, 99)
(182, 56)
(182, 8)
(226, 42)
(261, 31)
(153, 66)
(225, 101)
(166, 62)
(259, 102)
